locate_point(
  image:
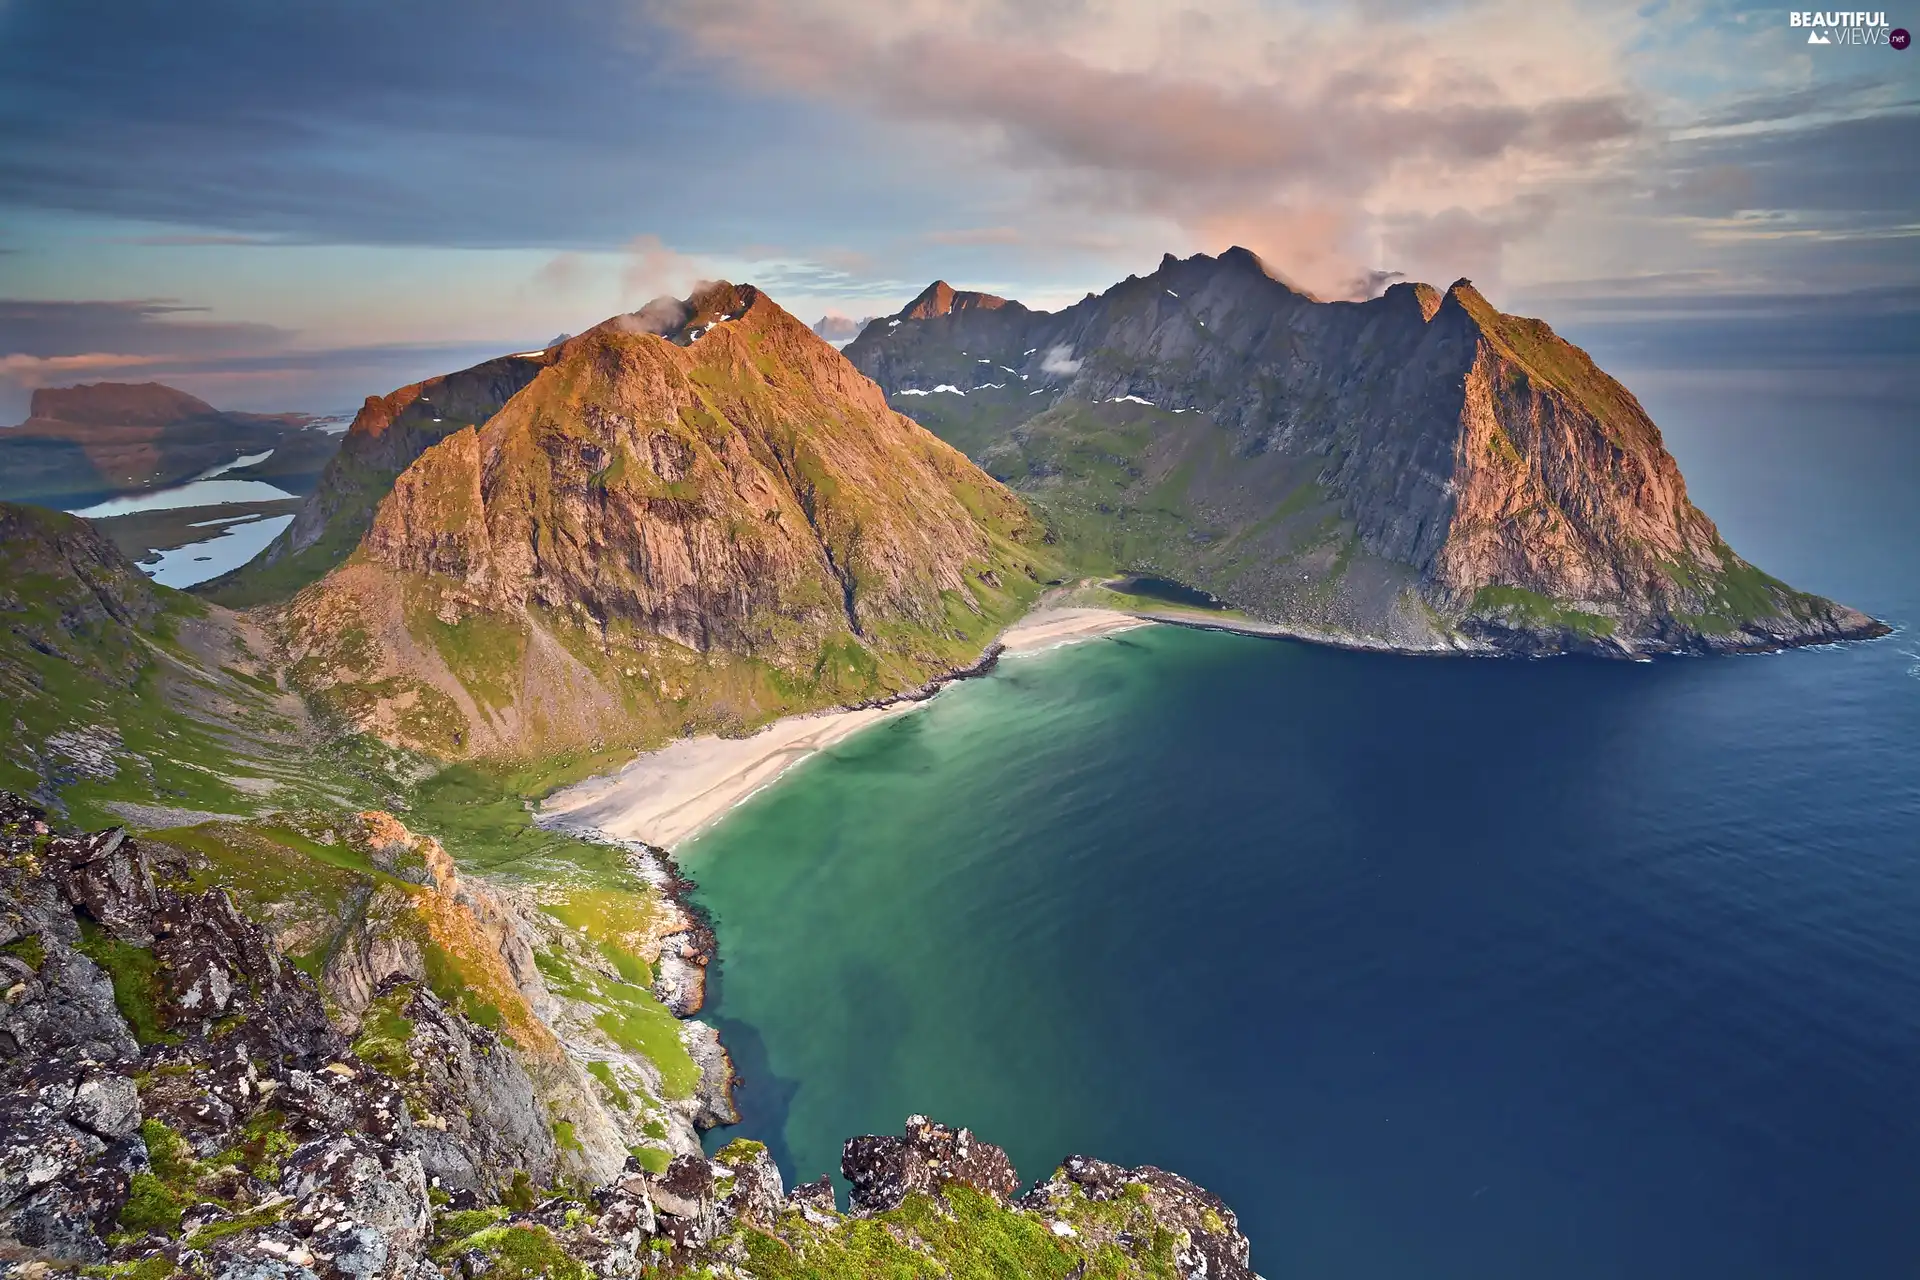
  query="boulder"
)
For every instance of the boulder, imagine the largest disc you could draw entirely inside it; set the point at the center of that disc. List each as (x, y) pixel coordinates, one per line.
(885, 1170)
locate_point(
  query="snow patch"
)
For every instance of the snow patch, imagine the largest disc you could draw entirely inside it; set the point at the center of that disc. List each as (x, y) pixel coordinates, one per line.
(893, 324)
(1172, 294)
(1130, 400)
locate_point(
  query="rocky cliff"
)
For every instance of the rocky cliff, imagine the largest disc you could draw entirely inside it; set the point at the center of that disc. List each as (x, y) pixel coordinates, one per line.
(176, 1100)
(386, 436)
(1418, 470)
(697, 514)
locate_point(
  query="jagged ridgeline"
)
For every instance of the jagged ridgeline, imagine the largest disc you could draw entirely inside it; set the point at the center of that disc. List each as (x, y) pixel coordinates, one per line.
(697, 516)
(1418, 471)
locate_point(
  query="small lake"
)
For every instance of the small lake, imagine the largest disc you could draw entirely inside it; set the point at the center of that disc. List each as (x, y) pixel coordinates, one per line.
(232, 547)
(204, 490)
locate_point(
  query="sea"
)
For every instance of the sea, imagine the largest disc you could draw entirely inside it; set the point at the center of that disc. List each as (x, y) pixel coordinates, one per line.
(1436, 968)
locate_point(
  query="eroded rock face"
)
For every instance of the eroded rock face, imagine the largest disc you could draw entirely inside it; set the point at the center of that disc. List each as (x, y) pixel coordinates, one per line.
(477, 1118)
(885, 1170)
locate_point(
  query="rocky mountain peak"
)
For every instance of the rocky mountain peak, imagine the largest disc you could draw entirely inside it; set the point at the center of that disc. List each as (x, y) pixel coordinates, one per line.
(941, 298)
(1414, 294)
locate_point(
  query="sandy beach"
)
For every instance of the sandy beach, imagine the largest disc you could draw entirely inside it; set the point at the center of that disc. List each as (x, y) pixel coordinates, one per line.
(666, 796)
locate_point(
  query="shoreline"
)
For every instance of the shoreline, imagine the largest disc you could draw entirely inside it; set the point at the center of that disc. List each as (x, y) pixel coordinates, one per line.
(669, 795)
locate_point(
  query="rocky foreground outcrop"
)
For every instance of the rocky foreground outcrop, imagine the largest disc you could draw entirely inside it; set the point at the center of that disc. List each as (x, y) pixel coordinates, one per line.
(174, 1100)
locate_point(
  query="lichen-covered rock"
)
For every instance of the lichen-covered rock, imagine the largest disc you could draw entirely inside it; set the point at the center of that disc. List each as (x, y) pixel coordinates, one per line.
(1209, 1244)
(110, 877)
(477, 1117)
(683, 1200)
(748, 1183)
(363, 1205)
(885, 1170)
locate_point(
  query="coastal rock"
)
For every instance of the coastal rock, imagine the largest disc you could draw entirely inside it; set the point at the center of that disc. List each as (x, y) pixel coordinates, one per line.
(713, 1098)
(1212, 1246)
(256, 1145)
(748, 1184)
(884, 1170)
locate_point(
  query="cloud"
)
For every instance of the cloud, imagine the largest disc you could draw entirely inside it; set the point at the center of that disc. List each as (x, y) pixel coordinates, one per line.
(652, 269)
(1060, 360)
(976, 235)
(135, 327)
(660, 316)
(191, 240)
(1278, 124)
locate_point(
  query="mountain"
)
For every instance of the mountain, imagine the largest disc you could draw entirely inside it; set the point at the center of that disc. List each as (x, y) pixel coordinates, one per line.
(385, 438)
(696, 515)
(839, 329)
(81, 444)
(1417, 471)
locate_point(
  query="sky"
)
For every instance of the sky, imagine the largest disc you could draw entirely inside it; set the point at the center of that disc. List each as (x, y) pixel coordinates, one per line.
(283, 206)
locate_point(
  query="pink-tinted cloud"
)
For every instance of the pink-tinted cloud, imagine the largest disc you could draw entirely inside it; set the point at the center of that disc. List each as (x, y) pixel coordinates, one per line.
(1316, 136)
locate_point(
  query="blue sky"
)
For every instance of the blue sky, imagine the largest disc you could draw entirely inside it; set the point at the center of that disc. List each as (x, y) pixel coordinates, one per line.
(282, 206)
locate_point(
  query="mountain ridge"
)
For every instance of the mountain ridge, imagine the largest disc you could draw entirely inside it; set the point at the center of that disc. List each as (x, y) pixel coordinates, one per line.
(1418, 469)
(688, 512)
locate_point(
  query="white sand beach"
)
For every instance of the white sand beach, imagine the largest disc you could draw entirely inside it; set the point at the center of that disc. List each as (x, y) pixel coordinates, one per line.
(665, 796)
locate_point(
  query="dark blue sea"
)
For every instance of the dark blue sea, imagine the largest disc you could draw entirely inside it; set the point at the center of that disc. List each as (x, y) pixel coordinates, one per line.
(1431, 968)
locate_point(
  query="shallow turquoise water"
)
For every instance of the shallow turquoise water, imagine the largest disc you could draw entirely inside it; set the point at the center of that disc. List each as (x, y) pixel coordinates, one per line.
(1429, 967)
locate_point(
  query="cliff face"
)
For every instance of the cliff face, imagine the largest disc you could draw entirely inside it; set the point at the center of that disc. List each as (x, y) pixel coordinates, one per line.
(1418, 469)
(659, 514)
(387, 435)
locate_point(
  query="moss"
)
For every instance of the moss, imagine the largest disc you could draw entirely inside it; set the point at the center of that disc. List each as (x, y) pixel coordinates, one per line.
(264, 1144)
(152, 1207)
(740, 1151)
(265, 1216)
(960, 1234)
(652, 1159)
(519, 1193)
(153, 1267)
(29, 949)
(522, 1253)
(135, 973)
(564, 1136)
(604, 1074)
(385, 1033)
(449, 1228)
(1531, 609)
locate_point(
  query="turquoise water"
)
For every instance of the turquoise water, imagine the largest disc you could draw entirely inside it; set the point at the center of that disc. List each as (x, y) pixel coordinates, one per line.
(1434, 968)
